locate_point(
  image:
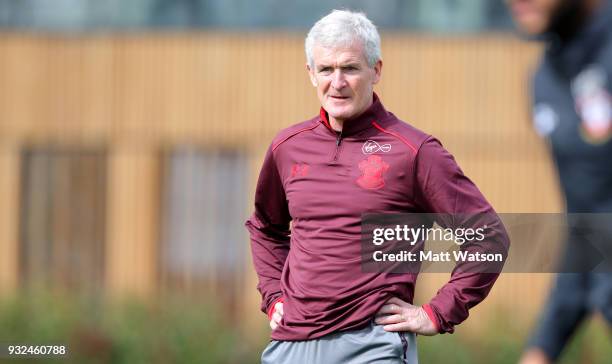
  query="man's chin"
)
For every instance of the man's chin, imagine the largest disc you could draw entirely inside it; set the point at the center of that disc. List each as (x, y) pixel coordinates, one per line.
(341, 114)
(341, 117)
(531, 29)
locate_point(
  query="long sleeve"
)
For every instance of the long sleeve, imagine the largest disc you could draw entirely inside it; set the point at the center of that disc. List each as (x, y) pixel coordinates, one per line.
(442, 188)
(269, 231)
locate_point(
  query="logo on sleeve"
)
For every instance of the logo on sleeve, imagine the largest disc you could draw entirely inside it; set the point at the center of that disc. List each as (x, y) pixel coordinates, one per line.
(371, 147)
(372, 172)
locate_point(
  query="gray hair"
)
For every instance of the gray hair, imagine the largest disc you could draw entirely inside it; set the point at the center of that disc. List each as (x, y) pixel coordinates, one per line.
(341, 28)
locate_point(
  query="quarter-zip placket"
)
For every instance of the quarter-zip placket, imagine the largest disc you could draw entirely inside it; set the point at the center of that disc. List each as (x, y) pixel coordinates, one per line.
(338, 145)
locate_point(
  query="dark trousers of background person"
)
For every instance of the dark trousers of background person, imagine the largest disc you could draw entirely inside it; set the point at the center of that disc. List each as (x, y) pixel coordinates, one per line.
(583, 286)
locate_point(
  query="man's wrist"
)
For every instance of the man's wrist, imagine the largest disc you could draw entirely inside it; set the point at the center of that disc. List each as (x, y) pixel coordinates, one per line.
(271, 309)
(432, 316)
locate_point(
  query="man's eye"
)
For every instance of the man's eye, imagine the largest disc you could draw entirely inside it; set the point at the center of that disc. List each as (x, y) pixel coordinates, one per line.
(325, 70)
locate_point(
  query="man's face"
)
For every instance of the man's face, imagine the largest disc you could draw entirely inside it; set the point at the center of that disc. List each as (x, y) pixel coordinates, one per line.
(534, 17)
(343, 79)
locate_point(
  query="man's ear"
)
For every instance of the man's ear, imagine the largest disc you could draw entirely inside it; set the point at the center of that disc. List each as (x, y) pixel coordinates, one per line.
(313, 79)
(378, 70)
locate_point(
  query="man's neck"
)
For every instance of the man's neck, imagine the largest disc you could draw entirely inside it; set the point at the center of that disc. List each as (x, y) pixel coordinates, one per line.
(338, 124)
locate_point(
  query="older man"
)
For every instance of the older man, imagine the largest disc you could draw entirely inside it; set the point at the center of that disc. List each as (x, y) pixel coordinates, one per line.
(354, 157)
(572, 109)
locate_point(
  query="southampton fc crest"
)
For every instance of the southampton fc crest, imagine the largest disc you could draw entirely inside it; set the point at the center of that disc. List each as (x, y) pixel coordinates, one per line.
(372, 169)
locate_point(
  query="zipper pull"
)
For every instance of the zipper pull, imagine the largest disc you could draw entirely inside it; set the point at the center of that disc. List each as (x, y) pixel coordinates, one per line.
(339, 139)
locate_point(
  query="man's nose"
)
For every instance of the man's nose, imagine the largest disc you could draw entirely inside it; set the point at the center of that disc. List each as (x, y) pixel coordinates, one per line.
(338, 79)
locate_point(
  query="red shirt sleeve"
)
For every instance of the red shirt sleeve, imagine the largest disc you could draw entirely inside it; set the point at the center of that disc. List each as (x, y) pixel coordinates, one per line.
(441, 187)
(269, 231)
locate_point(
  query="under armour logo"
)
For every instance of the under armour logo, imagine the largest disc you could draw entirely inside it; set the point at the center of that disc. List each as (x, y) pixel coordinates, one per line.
(371, 147)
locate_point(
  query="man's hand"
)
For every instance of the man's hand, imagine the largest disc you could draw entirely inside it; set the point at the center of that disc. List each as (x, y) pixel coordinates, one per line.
(398, 315)
(534, 356)
(277, 315)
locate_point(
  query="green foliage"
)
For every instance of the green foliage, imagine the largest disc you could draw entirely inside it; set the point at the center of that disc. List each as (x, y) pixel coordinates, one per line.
(502, 343)
(189, 331)
(134, 332)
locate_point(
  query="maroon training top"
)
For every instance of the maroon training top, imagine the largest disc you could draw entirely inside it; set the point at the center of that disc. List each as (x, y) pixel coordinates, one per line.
(322, 182)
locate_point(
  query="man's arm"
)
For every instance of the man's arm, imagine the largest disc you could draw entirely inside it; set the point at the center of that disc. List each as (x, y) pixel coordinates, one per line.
(443, 188)
(269, 231)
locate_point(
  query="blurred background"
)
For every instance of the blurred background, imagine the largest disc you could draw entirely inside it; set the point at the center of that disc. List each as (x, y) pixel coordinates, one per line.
(132, 133)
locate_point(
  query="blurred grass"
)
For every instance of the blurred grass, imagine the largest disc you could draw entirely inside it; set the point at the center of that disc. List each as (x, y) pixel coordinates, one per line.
(181, 330)
(502, 342)
(131, 331)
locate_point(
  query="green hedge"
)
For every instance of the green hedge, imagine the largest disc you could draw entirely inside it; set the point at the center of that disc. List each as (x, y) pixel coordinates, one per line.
(503, 342)
(185, 331)
(131, 332)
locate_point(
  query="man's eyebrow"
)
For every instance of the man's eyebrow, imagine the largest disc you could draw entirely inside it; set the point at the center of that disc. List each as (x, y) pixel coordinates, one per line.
(350, 63)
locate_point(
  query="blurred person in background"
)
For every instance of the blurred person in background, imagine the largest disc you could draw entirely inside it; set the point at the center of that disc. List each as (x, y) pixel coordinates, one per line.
(321, 175)
(572, 109)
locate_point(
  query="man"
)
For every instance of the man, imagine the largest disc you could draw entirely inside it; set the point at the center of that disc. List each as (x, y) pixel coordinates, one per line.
(572, 110)
(322, 175)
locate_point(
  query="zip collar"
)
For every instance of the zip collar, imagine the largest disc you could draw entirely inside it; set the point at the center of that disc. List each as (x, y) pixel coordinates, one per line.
(375, 113)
